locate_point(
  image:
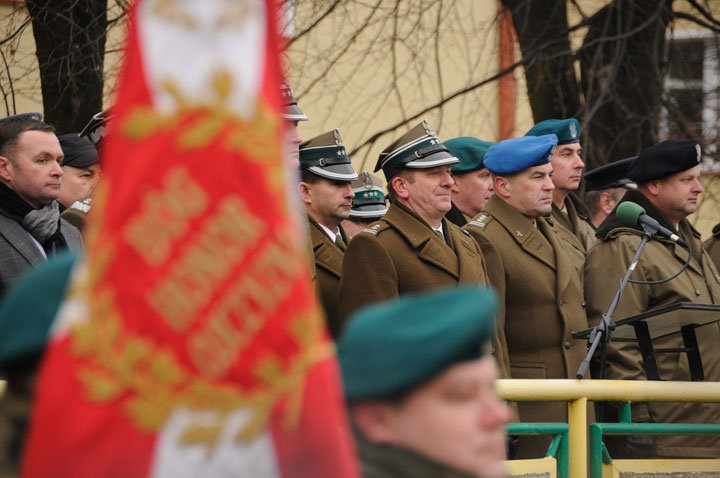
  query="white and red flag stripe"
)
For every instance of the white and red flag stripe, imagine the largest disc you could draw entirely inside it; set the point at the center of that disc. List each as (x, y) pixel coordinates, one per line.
(191, 344)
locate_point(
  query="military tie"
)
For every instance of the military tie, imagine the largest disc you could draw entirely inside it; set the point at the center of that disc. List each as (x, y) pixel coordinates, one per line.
(339, 242)
(439, 234)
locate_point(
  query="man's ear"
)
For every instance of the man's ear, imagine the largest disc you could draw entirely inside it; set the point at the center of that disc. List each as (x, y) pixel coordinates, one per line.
(399, 184)
(6, 169)
(375, 421)
(653, 187)
(607, 202)
(502, 186)
(305, 192)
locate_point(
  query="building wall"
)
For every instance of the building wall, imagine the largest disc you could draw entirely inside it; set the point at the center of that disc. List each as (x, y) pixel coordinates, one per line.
(377, 81)
(19, 76)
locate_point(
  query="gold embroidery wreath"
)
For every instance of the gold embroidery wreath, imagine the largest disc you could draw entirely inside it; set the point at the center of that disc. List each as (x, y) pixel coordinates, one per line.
(150, 383)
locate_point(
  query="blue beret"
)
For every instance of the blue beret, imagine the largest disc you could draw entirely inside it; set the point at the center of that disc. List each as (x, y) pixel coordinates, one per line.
(470, 151)
(664, 159)
(567, 130)
(391, 347)
(517, 154)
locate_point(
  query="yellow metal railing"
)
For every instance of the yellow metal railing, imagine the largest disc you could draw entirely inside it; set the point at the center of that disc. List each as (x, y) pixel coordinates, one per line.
(578, 392)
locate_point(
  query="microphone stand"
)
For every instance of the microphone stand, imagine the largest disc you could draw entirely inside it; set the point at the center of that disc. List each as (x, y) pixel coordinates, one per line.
(603, 330)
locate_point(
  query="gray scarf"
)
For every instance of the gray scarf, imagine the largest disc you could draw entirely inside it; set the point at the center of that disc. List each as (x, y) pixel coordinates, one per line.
(43, 223)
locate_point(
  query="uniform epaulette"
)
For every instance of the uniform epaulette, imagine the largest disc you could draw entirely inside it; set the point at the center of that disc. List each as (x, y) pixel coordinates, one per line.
(481, 221)
(374, 229)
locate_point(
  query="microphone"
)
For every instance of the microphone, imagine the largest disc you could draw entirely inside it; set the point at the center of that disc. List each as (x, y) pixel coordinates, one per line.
(631, 214)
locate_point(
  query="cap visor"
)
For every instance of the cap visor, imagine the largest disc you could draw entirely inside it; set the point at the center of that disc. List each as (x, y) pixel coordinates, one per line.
(293, 113)
(337, 172)
(438, 159)
(369, 210)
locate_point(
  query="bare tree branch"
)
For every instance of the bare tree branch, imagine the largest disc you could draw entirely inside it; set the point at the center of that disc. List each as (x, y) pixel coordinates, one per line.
(704, 24)
(310, 27)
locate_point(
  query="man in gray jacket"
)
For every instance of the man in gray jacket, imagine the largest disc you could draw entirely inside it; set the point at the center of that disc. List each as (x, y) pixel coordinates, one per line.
(31, 229)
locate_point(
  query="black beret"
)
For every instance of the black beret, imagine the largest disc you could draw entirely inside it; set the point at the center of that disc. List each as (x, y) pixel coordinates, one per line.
(613, 175)
(78, 152)
(664, 159)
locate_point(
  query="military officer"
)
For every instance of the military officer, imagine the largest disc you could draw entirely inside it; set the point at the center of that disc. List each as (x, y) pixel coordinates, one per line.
(604, 187)
(413, 247)
(473, 182)
(325, 191)
(368, 205)
(437, 415)
(541, 295)
(568, 212)
(668, 189)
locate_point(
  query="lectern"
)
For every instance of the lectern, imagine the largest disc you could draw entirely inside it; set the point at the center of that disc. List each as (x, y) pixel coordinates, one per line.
(683, 317)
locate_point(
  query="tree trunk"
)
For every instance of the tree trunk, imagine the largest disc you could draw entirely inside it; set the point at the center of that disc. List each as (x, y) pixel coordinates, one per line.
(622, 77)
(542, 31)
(70, 40)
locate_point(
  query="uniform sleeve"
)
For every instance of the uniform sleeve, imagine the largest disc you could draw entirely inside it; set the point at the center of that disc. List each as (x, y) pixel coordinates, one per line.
(605, 266)
(496, 278)
(368, 275)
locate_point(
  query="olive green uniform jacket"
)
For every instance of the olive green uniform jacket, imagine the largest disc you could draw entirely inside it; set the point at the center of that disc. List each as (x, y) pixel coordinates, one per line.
(712, 246)
(541, 301)
(381, 460)
(328, 266)
(574, 229)
(606, 264)
(401, 254)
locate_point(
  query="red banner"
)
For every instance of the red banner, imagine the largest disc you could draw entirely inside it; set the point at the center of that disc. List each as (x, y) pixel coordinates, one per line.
(191, 344)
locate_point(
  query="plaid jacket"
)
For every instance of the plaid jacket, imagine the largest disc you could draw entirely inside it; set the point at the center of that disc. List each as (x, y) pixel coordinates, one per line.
(18, 250)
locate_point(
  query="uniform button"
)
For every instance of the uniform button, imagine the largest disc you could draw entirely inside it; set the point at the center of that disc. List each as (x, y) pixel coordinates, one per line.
(567, 345)
(697, 292)
(584, 304)
(562, 302)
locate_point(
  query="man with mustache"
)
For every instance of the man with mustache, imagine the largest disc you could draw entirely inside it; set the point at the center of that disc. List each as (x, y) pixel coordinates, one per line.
(541, 295)
(667, 188)
(413, 247)
(31, 229)
(569, 214)
(326, 192)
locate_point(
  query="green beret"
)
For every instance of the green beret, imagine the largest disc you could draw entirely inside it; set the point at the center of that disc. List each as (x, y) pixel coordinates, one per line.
(29, 308)
(567, 130)
(470, 151)
(391, 347)
(665, 159)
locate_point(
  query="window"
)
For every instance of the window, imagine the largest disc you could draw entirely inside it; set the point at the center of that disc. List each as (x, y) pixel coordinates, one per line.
(692, 89)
